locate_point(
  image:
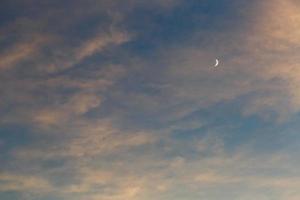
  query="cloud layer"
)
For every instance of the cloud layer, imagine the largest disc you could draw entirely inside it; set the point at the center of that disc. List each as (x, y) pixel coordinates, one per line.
(120, 100)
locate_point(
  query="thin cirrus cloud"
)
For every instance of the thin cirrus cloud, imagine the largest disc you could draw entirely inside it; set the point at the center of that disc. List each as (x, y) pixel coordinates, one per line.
(112, 100)
(20, 51)
(23, 183)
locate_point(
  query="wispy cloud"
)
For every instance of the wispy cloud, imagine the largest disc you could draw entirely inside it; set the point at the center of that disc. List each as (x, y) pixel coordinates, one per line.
(24, 183)
(120, 100)
(21, 51)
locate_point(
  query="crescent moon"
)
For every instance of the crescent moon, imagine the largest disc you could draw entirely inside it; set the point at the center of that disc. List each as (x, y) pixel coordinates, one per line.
(217, 63)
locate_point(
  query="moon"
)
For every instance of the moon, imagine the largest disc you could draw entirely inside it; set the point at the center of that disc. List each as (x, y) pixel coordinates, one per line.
(217, 63)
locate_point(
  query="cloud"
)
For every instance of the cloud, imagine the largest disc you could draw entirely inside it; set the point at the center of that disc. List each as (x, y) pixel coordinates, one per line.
(91, 46)
(24, 183)
(77, 105)
(97, 44)
(122, 187)
(87, 138)
(109, 121)
(279, 26)
(21, 51)
(53, 107)
(139, 173)
(212, 178)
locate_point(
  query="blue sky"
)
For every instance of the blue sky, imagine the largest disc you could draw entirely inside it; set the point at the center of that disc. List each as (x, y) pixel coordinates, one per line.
(114, 100)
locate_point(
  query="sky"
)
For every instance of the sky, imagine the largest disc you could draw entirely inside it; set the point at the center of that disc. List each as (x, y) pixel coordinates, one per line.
(120, 100)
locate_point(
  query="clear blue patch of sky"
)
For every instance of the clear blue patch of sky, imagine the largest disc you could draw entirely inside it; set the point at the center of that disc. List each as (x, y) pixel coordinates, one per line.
(10, 195)
(14, 136)
(156, 28)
